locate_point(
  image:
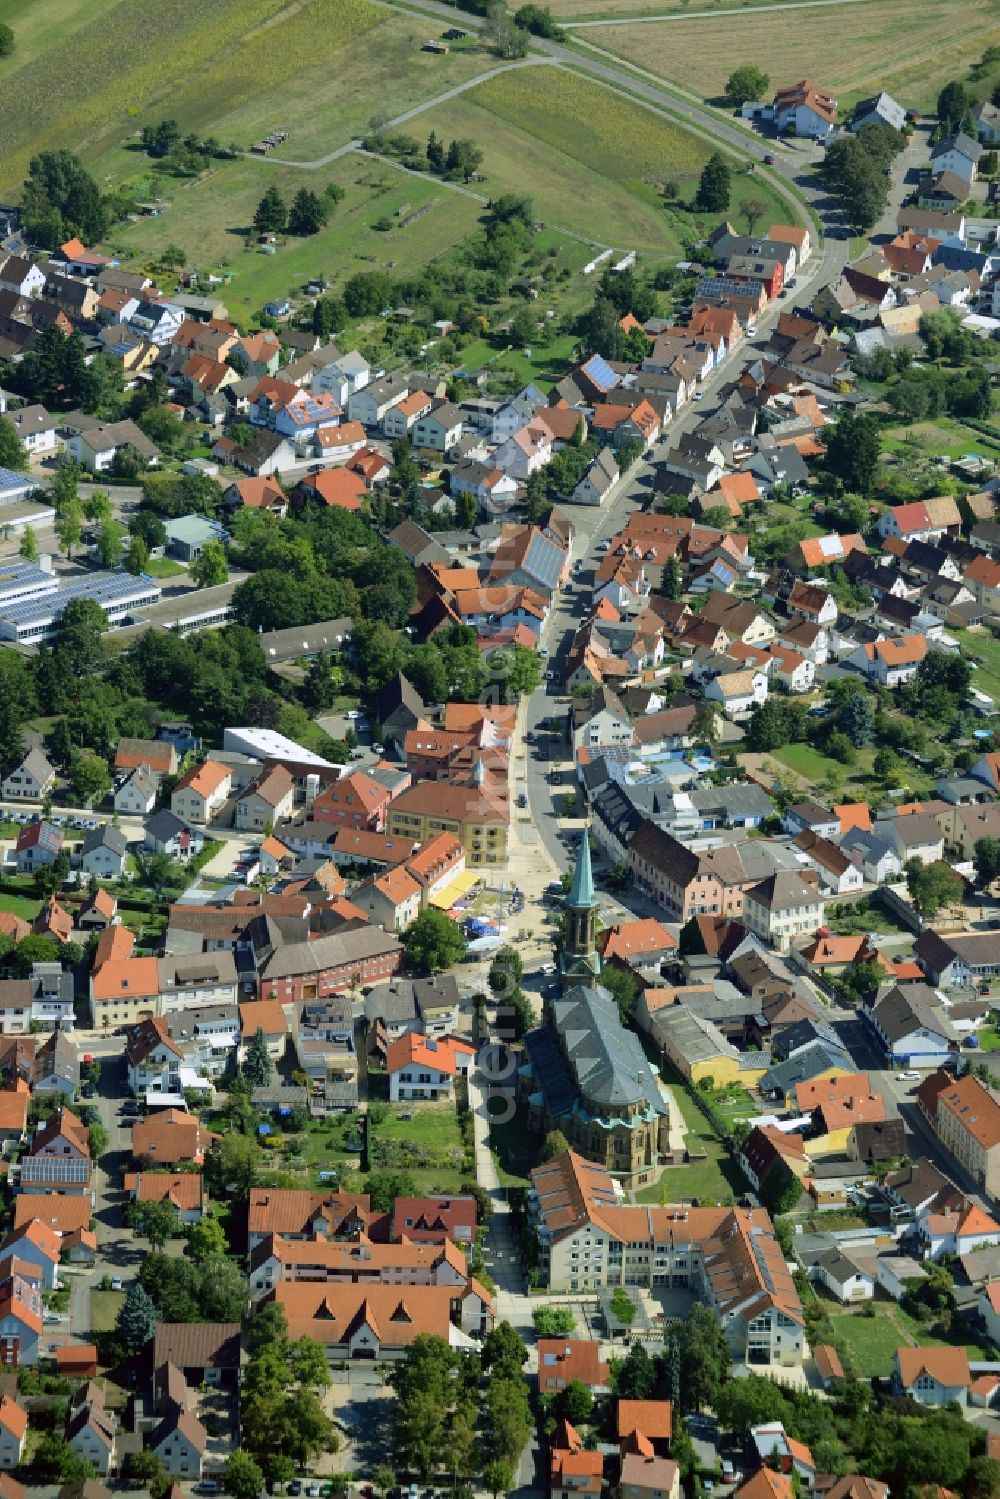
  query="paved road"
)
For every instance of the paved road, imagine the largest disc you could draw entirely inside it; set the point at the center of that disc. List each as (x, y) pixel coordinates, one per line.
(594, 524)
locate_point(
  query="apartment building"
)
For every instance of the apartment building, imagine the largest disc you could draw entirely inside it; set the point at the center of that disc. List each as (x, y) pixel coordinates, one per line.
(588, 1239)
(968, 1126)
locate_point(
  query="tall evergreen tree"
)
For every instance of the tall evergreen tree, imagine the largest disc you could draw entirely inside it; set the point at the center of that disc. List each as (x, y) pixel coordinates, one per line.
(136, 1319)
(258, 1068)
(271, 215)
(714, 185)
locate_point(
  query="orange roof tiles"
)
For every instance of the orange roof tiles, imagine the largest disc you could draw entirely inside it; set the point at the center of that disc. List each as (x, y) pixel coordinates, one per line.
(205, 779)
(854, 815)
(562, 1360)
(630, 938)
(131, 978)
(766, 1484)
(654, 1418)
(441, 1056)
(975, 1108)
(60, 1212)
(949, 1366)
(263, 1014)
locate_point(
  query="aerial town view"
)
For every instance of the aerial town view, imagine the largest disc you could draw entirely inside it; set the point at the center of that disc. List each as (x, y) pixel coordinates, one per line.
(500, 749)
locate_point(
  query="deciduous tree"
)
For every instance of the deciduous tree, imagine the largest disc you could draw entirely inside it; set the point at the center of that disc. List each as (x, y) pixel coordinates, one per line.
(745, 84)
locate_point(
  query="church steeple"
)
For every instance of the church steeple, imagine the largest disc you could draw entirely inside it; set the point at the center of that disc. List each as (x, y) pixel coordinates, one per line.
(581, 892)
(579, 960)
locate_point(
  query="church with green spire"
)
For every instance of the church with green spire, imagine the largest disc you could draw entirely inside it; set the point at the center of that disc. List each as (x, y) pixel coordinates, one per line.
(579, 960)
(583, 1073)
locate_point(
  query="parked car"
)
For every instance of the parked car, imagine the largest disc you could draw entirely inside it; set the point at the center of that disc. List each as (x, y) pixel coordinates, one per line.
(907, 1077)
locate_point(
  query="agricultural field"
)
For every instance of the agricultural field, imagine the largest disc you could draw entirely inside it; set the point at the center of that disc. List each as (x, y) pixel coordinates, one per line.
(879, 45)
(89, 76)
(575, 12)
(593, 162)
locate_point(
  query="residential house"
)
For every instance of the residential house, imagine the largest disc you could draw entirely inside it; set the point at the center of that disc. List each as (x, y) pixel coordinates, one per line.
(266, 801)
(959, 155)
(801, 109)
(566, 1361)
(170, 1136)
(783, 907)
(878, 109)
(166, 833)
(420, 1067)
(38, 844)
(438, 429)
(202, 792)
(646, 1476)
(91, 1429)
(932, 1376)
(812, 603)
(184, 1191)
(180, 1442)
(891, 662)
(598, 481)
(136, 794)
(31, 780)
(967, 1122)
(20, 1322)
(574, 1471)
(157, 756)
(32, 1251)
(13, 1435)
(910, 1026)
(104, 852)
(399, 420)
(842, 1277)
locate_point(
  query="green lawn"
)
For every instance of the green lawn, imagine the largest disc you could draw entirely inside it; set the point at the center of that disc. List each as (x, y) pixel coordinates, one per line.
(428, 1145)
(104, 1307)
(815, 766)
(515, 1151)
(734, 1103)
(984, 646)
(432, 1126)
(165, 567)
(546, 363)
(943, 436)
(872, 1341)
(20, 905)
(715, 1179)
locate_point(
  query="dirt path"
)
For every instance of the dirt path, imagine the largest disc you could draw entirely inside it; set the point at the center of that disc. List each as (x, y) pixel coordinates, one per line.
(699, 15)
